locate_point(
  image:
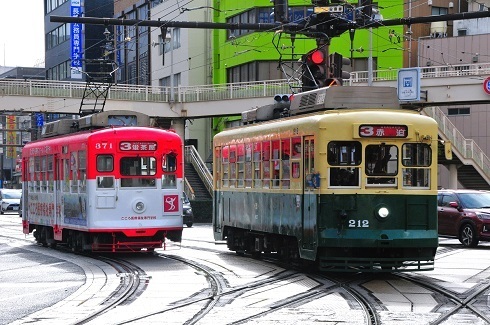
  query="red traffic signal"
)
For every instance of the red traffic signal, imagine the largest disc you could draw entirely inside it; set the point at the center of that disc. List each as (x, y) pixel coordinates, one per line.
(314, 70)
(317, 57)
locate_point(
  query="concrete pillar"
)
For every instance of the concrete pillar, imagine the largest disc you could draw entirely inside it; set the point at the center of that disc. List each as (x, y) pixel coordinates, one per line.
(179, 126)
(453, 176)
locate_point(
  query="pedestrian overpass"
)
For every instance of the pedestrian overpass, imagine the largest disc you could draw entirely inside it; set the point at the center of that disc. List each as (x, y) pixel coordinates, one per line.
(440, 85)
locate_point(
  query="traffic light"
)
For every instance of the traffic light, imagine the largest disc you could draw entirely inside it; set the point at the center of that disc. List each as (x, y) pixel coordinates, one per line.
(336, 62)
(282, 101)
(314, 70)
(281, 11)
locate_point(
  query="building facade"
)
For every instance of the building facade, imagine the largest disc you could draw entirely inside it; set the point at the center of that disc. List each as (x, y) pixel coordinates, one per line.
(69, 47)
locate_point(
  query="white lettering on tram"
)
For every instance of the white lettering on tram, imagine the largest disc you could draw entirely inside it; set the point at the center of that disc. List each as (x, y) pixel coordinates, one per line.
(139, 218)
(103, 145)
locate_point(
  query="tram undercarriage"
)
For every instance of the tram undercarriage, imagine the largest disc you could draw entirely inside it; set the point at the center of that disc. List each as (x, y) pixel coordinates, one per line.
(113, 242)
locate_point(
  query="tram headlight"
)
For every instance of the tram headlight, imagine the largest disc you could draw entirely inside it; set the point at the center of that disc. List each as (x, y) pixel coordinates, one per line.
(383, 212)
(139, 206)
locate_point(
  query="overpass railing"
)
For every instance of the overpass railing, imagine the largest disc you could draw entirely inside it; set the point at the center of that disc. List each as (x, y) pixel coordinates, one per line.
(468, 148)
(453, 70)
(267, 88)
(75, 89)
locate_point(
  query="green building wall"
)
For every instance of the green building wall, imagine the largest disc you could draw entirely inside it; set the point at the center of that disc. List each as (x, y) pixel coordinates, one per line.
(387, 42)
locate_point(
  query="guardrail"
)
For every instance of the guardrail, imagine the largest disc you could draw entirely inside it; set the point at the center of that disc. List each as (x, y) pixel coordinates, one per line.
(266, 88)
(468, 148)
(193, 157)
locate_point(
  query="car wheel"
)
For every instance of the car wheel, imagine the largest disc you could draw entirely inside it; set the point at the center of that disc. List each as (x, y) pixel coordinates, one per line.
(1, 210)
(189, 224)
(467, 236)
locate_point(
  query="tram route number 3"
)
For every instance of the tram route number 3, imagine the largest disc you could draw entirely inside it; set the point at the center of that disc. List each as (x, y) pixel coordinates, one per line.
(358, 223)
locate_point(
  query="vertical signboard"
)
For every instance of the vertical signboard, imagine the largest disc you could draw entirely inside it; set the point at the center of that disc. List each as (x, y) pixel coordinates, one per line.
(11, 137)
(76, 41)
(1, 138)
(409, 84)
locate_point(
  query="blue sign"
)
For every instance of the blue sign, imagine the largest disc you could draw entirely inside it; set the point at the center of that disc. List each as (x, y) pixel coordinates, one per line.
(76, 41)
(409, 84)
(39, 119)
(486, 85)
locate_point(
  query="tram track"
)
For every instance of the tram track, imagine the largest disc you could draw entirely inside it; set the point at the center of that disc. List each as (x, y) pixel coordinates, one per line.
(133, 280)
(323, 289)
(462, 302)
(219, 296)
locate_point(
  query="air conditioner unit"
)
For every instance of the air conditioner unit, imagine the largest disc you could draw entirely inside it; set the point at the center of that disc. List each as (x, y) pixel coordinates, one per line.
(438, 29)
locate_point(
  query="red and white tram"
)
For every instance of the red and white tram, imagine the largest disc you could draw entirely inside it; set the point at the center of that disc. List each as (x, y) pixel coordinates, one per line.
(111, 189)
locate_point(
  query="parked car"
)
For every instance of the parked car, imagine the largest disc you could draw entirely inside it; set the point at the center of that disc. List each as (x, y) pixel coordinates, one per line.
(9, 200)
(20, 206)
(187, 214)
(464, 214)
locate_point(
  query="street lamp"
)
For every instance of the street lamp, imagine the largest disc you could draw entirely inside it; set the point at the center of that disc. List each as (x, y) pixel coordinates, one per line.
(168, 39)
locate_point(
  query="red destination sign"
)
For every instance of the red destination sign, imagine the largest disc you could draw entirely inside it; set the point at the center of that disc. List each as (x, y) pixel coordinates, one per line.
(383, 131)
(138, 146)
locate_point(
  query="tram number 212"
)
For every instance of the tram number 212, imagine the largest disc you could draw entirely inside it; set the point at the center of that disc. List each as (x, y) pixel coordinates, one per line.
(358, 223)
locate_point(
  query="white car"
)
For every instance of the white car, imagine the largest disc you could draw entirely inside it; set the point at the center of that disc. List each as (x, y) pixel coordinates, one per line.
(9, 200)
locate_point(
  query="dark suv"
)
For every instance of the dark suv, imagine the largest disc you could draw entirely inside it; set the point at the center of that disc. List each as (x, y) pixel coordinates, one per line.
(187, 214)
(464, 214)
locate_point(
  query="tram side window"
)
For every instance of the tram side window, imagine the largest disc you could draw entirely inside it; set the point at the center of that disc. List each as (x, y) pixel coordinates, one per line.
(416, 161)
(226, 165)
(169, 166)
(169, 163)
(381, 164)
(137, 166)
(74, 171)
(218, 159)
(105, 182)
(232, 166)
(37, 174)
(44, 168)
(285, 163)
(50, 178)
(248, 165)
(257, 163)
(105, 163)
(344, 158)
(266, 164)
(276, 163)
(82, 169)
(295, 157)
(240, 164)
(66, 175)
(31, 175)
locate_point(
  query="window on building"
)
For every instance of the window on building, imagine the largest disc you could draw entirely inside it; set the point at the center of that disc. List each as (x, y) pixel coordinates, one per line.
(264, 15)
(461, 32)
(458, 111)
(174, 42)
(254, 71)
(164, 82)
(53, 4)
(437, 11)
(57, 36)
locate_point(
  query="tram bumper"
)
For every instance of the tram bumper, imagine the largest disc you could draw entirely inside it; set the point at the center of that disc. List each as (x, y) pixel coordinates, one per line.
(398, 251)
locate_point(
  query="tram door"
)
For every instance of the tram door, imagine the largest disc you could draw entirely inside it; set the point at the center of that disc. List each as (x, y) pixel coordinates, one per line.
(58, 184)
(218, 207)
(310, 182)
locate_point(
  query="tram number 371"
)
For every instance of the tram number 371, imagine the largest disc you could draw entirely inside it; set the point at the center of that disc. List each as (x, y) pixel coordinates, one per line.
(358, 223)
